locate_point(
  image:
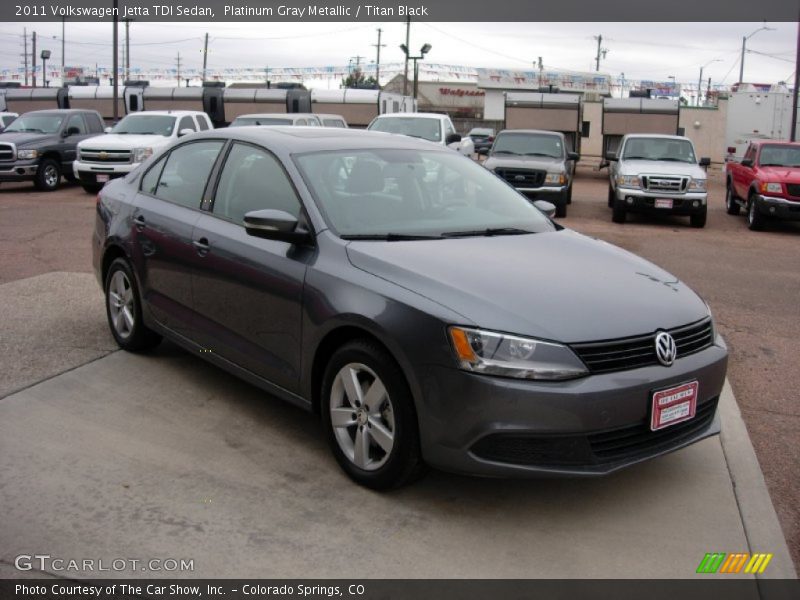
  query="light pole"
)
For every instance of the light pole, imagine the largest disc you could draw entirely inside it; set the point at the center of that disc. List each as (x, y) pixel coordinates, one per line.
(744, 44)
(44, 56)
(700, 80)
(422, 52)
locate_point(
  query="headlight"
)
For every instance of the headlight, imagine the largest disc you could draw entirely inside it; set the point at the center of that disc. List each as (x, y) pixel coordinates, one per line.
(27, 154)
(698, 185)
(628, 181)
(771, 188)
(506, 355)
(556, 178)
(140, 154)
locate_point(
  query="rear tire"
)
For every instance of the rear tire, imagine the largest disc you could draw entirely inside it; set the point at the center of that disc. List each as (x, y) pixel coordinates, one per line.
(731, 204)
(698, 220)
(377, 446)
(124, 309)
(620, 214)
(755, 220)
(48, 176)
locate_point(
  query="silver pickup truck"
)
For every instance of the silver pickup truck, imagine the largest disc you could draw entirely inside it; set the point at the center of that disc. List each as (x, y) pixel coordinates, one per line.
(658, 174)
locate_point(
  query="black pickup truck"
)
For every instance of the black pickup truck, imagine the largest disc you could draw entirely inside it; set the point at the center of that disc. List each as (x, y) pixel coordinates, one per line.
(40, 145)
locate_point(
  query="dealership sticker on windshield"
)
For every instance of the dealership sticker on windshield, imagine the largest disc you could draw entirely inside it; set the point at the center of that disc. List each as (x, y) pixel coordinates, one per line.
(674, 405)
(663, 202)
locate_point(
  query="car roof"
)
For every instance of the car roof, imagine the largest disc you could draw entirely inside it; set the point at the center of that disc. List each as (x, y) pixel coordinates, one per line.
(534, 131)
(310, 139)
(277, 115)
(774, 143)
(329, 116)
(657, 135)
(164, 113)
(411, 114)
(61, 111)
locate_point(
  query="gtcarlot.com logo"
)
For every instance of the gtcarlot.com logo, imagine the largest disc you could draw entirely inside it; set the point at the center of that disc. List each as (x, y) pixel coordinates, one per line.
(736, 562)
(46, 562)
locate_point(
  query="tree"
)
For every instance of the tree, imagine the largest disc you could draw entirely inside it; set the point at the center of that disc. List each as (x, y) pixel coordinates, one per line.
(356, 79)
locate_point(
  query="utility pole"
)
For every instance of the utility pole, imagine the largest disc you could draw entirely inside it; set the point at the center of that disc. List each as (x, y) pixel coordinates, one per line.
(33, 60)
(541, 68)
(266, 76)
(25, 44)
(600, 51)
(63, 46)
(793, 137)
(378, 60)
(700, 86)
(115, 60)
(205, 58)
(408, 45)
(127, 49)
(179, 69)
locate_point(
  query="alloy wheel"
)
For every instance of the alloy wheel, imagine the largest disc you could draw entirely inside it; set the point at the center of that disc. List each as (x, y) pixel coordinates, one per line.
(121, 304)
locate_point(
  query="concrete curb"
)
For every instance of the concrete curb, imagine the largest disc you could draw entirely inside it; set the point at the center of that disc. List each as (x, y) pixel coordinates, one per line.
(760, 522)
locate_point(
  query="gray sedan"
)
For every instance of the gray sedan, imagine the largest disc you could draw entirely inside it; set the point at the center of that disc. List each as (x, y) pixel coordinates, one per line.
(427, 311)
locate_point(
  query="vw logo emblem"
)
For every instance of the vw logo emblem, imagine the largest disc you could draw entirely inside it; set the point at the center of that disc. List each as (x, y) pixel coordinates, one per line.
(665, 349)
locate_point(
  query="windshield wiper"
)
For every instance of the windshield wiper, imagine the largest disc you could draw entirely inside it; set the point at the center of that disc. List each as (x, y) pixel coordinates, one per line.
(772, 165)
(506, 152)
(389, 237)
(488, 232)
(637, 158)
(540, 154)
(671, 159)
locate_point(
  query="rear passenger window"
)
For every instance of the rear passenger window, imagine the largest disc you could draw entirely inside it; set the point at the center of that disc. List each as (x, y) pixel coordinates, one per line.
(94, 122)
(253, 179)
(186, 172)
(150, 179)
(76, 123)
(202, 123)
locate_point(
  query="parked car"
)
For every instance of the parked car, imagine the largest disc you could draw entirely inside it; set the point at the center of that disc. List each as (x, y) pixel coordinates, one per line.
(40, 145)
(332, 120)
(427, 311)
(432, 127)
(130, 142)
(6, 118)
(766, 183)
(536, 163)
(658, 174)
(296, 119)
(482, 137)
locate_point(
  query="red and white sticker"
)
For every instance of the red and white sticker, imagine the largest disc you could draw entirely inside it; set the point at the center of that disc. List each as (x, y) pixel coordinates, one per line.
(674, 405)
(663, 202)
(101, 178)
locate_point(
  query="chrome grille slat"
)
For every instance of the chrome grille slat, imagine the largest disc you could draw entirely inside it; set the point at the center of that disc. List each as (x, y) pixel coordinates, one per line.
(665, 183)
(7, 152)
(92, 155)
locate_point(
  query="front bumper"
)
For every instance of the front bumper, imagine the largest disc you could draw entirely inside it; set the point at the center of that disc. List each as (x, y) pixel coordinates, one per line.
(494, 426)
(88, 172)
(779, 208)
(688, 203)
(555, 194)
(19, 170)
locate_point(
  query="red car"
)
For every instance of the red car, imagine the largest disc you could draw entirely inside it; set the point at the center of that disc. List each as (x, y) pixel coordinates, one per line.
(766, 183)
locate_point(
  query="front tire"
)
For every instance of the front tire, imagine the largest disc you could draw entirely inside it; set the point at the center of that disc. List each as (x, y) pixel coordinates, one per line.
(620, 214)
(124, 309)
(92, 188)
(48, 176)
(611, 196)
(369, 417)
(698, 220)
(731, 205)
(561, 208)
(755, 220)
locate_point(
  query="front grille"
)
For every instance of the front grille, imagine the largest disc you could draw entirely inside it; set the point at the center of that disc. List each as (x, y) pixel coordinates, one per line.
(793, 189)
(640, 351)
(598, 448)
(105, 156)
(7, 152)
(662, 183)
(522, 178)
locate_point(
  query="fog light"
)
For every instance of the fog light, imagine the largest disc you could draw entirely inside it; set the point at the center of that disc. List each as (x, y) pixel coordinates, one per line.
(629, 200)
(20, 171)
(696, 204)
(772, 209)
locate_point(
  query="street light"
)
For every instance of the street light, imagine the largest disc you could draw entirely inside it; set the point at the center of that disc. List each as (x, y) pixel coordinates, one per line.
(744, 43)
(700, 81)
(422, 52)
(44, 56)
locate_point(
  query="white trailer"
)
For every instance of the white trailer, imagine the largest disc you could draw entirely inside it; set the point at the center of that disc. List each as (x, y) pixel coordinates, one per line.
(357, 106)
(637, 115)
(757, 114)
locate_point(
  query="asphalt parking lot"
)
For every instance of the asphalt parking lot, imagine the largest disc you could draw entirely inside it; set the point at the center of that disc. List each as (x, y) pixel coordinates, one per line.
(181, 460)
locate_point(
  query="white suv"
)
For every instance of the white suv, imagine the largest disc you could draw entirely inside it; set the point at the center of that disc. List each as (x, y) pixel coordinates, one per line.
(130, 142)
(433, 127)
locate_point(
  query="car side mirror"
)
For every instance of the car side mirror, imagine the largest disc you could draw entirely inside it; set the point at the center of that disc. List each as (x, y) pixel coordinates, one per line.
(279, 225)
(71, 131)
(612, 156)
(705, 162)
(184, 132)
(107, 130)
(747, 162)
(573, 156)
(452, 138)
(548, 208)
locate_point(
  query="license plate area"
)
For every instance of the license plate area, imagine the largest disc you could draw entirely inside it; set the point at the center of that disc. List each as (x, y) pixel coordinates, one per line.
(663, 203)
(101, 178)
(673, 405)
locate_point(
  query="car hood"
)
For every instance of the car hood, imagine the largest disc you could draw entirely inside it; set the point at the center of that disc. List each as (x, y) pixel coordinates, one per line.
(113, 141)
(658, 167)
(560, 286)
(524, 162)
(21, 138)
(782, 174)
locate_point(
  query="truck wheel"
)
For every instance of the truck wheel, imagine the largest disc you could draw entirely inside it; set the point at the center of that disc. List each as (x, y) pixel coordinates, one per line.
(561, 209)
(610, 196)
(731, 205)
(620, 214)
(569, 194)
(48, 176)
(92, 188)
(698, 220)
(755, 220)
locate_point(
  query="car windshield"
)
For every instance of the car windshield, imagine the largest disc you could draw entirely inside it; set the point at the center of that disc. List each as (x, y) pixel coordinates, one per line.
(418, 127)
(243, 121)
(37, 123)
(146, 125)
(401, 193)
(480, 132)
(529, 144)
(780, 156)
(642, 148)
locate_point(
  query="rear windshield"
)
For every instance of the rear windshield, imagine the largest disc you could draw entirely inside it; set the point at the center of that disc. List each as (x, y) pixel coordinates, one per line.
(145, 125)
(418, 127)
(242, 121)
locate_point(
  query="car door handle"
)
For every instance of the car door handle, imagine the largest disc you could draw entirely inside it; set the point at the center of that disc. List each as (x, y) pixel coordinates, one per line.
(140, 223)
(201, 246)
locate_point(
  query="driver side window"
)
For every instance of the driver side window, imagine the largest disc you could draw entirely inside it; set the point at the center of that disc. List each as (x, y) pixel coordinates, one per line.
(76, 122)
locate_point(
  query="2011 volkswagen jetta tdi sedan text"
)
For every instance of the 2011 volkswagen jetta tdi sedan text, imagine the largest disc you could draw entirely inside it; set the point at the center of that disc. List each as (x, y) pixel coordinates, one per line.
(424, 308)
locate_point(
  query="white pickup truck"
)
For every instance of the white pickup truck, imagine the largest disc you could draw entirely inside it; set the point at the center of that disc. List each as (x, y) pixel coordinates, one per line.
(433, 127)
(130, 142)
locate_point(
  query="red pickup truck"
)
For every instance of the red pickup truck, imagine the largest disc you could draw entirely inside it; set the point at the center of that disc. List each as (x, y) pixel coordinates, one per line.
(766, 183)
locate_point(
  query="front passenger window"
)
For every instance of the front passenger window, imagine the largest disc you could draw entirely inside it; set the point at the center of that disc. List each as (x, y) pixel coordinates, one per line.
(186, 173)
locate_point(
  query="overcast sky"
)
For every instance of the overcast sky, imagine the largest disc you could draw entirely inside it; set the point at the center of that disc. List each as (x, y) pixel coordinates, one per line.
(639, 50)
